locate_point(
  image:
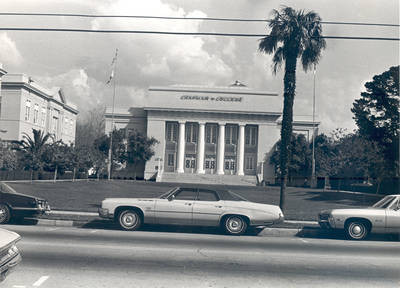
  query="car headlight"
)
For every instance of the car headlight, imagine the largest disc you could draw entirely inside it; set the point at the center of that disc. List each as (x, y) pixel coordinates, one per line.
(13, 250)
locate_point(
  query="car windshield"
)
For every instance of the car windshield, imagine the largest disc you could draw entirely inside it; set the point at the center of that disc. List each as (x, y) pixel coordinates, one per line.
(384, 203)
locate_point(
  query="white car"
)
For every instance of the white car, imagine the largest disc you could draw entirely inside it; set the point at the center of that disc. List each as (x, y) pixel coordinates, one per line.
(191, 206)
(9, 253)
(382, 217)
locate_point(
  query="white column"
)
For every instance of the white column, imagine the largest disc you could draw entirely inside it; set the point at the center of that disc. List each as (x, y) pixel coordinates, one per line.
(240, 158)
(200, 149)
(221, 149)
(181, 148)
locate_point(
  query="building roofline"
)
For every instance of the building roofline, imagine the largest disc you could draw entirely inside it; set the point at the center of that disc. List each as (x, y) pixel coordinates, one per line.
(220, 90)
(39, 92)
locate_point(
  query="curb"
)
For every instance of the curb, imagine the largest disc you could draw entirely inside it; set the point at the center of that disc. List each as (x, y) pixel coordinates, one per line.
(302, 228)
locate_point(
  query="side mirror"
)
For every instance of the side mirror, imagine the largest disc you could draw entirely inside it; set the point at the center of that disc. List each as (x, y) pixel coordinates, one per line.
(170, 198)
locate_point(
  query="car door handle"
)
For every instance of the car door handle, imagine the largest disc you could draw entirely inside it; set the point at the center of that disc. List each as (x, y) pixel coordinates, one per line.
(190, 204)
(218, 206)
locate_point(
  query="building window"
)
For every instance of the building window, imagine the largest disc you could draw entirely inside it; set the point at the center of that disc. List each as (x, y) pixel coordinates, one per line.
(191, 132)
(251, 136)
(231, 134)
(35, 113)
(211, 133)
(27, 109)
(171, 160)
(249, 165)
(43, 116)
(172, 131)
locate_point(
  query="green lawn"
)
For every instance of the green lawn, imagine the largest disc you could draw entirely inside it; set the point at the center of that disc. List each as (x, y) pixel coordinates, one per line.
(302, 204)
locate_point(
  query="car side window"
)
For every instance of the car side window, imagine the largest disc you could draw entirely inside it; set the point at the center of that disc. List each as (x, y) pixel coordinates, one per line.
(186, 194)
(396, 205)
(207, 195)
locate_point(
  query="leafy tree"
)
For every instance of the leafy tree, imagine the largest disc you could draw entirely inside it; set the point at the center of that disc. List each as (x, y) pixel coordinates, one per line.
(57, 157)
(139, 149)
(294, 34)
(299, 164)
(32, 149)
(8, 158)
(377, 115)
(90, 126)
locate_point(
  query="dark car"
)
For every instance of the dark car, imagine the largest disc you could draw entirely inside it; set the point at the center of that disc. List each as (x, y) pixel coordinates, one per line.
(15, 206)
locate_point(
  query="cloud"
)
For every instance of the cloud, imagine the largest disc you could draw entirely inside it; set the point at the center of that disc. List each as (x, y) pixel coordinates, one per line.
(9, 52)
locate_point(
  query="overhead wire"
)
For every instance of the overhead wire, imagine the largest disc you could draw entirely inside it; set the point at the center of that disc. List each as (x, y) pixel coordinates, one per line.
(177, 33)
(182, 18)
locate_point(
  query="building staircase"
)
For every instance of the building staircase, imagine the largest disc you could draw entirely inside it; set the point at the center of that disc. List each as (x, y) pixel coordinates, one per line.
(246, 180)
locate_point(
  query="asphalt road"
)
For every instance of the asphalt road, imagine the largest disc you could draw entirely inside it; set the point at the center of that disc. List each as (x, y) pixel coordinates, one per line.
(58, 257)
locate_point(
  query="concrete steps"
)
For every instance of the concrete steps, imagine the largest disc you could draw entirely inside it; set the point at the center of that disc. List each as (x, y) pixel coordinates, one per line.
(246, 180)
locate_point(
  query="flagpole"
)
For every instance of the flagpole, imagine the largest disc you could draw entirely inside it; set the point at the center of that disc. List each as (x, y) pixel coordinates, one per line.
(109, 167)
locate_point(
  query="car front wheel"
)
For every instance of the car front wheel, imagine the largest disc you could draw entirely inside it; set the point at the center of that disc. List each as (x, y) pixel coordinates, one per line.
(129, 220)
(5, 214)
(235, 225)
(357, 230)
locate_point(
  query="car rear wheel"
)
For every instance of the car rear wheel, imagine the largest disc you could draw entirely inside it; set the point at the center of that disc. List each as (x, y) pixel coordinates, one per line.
(129, 220)
(357, 230)
(235, 225)
(5, 214)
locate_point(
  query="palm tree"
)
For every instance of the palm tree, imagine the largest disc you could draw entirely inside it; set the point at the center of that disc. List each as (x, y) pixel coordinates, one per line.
(33, 147)
(294, 34)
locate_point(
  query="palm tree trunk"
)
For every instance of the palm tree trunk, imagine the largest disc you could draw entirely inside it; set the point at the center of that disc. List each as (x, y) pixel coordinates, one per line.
(73, 175)
(287, 119)
(55, 174)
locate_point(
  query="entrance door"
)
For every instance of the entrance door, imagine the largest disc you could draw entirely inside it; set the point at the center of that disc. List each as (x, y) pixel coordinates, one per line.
(190, 163)
(230, 165)
(210, 165)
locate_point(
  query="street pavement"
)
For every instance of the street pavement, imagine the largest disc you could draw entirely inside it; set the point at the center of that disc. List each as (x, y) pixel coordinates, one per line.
(55, 256)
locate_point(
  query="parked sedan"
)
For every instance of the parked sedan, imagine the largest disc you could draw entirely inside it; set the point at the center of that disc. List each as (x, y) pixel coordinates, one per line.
(191, 206)
(17, 206)
(382, 217)
(9, 253)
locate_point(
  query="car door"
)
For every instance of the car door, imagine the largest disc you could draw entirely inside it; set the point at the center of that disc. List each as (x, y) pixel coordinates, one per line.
(393, 217)
(176, 209)
(207, 208)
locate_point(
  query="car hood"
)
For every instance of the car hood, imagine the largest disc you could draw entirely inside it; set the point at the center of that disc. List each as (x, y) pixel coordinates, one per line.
(356, 211)
(129, 200)
(7, 237)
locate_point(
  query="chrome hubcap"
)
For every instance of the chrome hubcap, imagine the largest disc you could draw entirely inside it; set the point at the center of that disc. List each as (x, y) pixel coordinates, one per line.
(129, 219)
(235, 224)
(357, 230)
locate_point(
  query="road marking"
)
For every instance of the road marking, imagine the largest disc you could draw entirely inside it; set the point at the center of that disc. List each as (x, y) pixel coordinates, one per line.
(40, 281)
(19, 286)
(52, 229)
(93, 231)
(304, 241)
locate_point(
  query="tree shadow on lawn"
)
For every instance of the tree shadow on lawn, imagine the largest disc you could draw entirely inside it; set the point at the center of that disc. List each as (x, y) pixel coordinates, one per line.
(109, 225)
(336, 197)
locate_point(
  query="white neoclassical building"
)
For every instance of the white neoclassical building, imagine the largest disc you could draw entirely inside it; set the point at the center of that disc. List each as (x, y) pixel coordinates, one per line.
(209, 134)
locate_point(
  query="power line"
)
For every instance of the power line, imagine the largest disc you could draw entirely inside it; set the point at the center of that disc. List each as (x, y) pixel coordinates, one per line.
(183, 18)
(177, 33)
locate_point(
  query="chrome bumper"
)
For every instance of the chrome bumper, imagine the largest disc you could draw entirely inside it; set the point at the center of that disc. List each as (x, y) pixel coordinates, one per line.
(9, 265)
(105, 213)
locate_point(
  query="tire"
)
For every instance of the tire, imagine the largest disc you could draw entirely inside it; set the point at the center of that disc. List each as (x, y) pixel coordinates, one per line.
(235, 225)
(129, 220)
(5, 214)
(357, 229)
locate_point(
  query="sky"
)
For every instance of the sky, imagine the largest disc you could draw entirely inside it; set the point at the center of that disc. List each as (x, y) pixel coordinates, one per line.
(80, 63)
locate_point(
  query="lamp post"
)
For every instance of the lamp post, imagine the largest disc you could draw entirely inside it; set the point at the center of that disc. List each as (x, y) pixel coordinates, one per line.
(313, 180)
